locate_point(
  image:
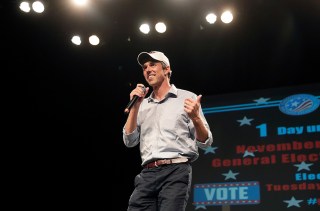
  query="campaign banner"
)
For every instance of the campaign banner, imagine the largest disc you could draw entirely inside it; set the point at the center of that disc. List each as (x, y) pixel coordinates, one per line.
(265, 153)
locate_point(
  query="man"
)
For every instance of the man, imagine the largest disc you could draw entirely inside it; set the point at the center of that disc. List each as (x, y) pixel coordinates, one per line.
(170, 126)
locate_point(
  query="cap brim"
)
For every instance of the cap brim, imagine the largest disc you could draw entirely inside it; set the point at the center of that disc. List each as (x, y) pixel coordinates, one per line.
(143, 57)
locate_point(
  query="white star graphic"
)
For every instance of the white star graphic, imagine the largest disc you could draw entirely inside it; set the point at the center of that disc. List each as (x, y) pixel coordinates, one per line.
(293, 202)
(210, 150)
(303, 165)
(230, 175)
(247, 153)
(262, 100)
(245, 121)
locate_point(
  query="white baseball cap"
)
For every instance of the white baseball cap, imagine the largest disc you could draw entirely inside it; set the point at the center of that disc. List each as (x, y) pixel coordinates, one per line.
(156, 55)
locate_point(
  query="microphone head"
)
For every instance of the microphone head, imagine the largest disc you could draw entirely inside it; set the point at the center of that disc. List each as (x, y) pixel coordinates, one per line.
(143, 88)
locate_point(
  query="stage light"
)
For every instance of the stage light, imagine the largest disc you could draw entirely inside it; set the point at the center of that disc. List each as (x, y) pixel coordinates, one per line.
(211, 18)
(161, 27)
(25, 6)
(94, 40)
(226, 17)
(145, 28)
(80, 2)
(76, 40)
(38, 6)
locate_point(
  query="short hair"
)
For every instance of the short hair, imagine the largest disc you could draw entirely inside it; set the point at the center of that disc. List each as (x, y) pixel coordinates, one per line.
(164, 65)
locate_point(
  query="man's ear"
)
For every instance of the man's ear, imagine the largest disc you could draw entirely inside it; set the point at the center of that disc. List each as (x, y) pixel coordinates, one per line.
(167, 71)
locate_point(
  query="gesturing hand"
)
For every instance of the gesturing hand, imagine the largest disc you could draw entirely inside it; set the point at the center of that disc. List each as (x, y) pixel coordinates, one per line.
(191, 107)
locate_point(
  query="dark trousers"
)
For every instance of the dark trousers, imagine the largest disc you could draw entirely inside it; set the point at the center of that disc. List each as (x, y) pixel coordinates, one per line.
(164, 188)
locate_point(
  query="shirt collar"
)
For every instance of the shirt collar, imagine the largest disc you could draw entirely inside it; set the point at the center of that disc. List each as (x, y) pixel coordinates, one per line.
(173, 91)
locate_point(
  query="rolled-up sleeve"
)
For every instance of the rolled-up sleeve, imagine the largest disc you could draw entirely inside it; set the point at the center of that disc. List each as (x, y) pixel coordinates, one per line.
(208, 142)
(132, 139)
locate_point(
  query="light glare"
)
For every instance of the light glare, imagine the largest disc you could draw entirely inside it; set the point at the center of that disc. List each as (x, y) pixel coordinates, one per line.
(226, 17)
(211, 18)
(80, 2)
(38, 6)
(76, 40)
(25, 7)
(94, 40)
(145, 28)
(161, 27)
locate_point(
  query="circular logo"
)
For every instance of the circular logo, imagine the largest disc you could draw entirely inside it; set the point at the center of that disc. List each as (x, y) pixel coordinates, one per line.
(299, 104)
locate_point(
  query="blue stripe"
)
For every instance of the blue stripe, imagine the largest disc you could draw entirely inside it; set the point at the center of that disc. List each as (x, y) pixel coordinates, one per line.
(240, 107)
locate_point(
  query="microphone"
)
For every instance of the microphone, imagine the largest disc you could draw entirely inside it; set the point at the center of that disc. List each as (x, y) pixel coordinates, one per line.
(133, 101)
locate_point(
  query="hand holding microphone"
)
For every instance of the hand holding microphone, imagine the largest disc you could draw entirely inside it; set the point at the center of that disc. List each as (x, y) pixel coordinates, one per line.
(138, 92)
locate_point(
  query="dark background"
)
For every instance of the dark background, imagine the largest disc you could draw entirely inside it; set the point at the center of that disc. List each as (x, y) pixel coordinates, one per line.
(65, 103)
